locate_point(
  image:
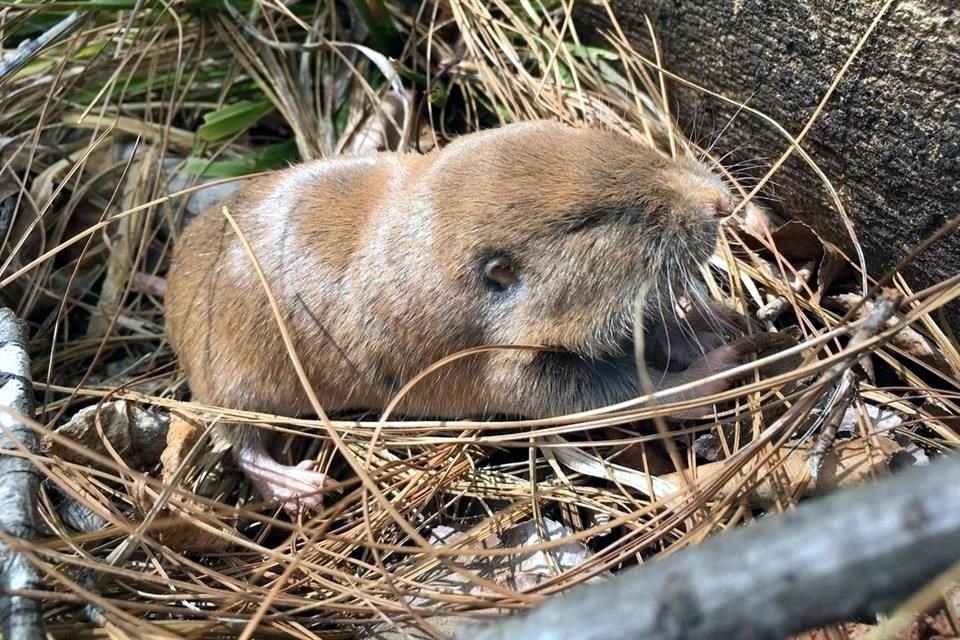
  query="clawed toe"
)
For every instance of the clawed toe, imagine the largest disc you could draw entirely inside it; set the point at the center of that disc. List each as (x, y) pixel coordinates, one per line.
(767, 344)
(715, 317)
(297, 488)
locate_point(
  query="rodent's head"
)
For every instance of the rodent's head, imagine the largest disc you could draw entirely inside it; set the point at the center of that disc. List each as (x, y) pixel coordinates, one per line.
(551, 233)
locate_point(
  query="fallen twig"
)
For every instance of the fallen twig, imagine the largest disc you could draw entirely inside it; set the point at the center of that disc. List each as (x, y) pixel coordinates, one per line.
(840, 398)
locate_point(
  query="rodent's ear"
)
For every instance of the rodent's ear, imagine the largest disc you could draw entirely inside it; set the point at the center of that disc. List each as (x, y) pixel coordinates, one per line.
(500, 273)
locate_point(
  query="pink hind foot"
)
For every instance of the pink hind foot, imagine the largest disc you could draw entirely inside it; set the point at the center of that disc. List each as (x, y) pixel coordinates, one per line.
(297, 488)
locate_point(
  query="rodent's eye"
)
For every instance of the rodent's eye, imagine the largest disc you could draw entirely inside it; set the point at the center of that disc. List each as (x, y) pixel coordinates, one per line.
(499, 273)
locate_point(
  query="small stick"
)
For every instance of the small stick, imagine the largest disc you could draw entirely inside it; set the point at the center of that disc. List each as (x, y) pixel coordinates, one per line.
(778, 304)
(21, 618)
(883, 310)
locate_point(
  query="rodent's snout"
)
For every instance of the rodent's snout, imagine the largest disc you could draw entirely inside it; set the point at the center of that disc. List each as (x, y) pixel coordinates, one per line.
(716, 203)
(699, 193)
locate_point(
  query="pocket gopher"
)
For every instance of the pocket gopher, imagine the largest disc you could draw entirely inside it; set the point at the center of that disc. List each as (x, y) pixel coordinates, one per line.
(535, 233)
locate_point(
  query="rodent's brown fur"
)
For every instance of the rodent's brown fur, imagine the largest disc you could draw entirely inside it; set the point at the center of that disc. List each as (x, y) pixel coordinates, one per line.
(377, 264)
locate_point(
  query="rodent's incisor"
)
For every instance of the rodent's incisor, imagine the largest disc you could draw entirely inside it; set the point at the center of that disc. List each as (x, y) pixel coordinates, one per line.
(530, 234)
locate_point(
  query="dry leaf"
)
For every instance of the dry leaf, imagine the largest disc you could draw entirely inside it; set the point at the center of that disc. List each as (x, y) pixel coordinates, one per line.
(833, 268)
(882, 420)
(799, 243)
(181, 437)
(125, 239)
(8, 201)
(846, 465)
(951, 598)
(384, 130)
(176, 180)
(180, 531)
(528, 570)
(516, 572)
(200, 199)
(933, 407)
(177, 524)
(136, 434)
(794, 241)
(578, 459)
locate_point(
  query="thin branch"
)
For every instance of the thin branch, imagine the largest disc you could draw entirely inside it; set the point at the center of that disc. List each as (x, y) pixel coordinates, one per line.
(886, 306)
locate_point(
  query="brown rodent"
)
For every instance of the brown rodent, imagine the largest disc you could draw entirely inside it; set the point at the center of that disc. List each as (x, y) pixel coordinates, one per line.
(531, 234)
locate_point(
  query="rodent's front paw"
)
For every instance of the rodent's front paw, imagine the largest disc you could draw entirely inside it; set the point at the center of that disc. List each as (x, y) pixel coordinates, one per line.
(717, 318)
(680, 343)
(722, 359)
(763, 345)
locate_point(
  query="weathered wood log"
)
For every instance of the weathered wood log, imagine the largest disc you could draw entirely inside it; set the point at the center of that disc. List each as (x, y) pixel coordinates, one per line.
(888, 138)
(852, 554)
(21, 618)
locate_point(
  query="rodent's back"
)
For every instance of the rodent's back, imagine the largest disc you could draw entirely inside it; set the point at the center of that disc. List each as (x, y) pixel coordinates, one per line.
(378, 265)
(305, 224)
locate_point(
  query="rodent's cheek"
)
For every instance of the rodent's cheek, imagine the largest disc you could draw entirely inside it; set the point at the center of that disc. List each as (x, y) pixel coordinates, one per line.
(574, 330)
(698, 242)
(709, 240)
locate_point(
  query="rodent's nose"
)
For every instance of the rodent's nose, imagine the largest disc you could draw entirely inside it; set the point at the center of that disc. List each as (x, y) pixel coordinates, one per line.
(716, 204)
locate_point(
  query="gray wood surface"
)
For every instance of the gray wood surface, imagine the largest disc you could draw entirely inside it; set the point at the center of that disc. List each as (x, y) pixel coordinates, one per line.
(20, 618)
(854, 553)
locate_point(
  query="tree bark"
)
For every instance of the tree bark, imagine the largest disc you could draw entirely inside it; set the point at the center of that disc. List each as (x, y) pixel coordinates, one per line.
(888, 138)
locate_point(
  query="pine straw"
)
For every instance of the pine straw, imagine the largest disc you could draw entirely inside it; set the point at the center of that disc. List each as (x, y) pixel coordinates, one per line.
(106, 215)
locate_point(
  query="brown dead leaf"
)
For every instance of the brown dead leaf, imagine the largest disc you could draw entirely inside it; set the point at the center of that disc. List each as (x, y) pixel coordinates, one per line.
(177, 524)
(16, 154)
(951, 598)
(934, 408)
(181, 436)
(801, 246)
(97, 161)
(179, 530)
(8, 187)
(833, 268)
(515, 572)
(125, 239)
(925, 626)
(32, 233)
(136, 434)
(8, 202)
(794, 241)
(846, 465)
